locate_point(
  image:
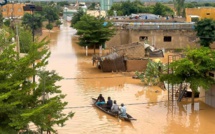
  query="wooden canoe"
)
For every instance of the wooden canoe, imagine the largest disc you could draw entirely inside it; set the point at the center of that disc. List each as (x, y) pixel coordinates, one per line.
(128, 118)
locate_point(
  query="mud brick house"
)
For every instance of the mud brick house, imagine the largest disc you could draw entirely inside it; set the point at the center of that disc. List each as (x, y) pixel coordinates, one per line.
(168, 35)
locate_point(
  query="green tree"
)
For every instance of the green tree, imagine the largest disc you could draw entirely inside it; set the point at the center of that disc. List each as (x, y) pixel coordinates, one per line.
(63, 3)
(93, 31)
(77, 17)
(32, 21)
(151, 76)
(189, 5)
(23, 101)
(7, 22)
(193, 69)
(25, 39)
(179, 6)
(58, 23)
(50, 13)
(205, 31)
(1, 19)
(49, 26)
(92, 6)
(115, 7)
(162, 10)
(127, 8)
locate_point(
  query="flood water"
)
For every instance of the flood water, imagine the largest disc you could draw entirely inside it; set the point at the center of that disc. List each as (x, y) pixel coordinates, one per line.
(149, 105)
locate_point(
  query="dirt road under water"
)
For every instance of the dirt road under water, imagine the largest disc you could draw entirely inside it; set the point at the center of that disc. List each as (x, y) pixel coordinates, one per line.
(82, 80)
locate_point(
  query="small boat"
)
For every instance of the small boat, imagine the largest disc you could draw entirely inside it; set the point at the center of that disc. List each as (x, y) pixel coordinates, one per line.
(104, 109)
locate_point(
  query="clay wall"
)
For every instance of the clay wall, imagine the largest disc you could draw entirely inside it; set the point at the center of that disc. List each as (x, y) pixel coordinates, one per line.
(176, 39)
(136, 65)
(121, 37)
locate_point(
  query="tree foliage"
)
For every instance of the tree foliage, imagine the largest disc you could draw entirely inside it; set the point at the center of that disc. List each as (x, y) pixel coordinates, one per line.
(199, 4)
(1, 19)
(58, 23)
(193, 69)
(49, 26)
(205, 31)
(23, 101)
(92, 6)
(25, 39)
(179, 5)
(7, 22)
(127, 8)
(63, 3)
(50, 13)
(151, 76)
(162, 10)
(93, 31)
(32, 21)
(77, 17)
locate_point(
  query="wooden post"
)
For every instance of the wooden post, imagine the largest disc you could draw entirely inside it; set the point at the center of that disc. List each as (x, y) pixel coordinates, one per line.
(100, 50)
(86, 50)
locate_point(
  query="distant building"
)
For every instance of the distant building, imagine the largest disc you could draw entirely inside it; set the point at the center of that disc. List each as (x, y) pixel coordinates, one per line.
(13, 10)
(106, 4)
(83, 6)
(163, 35)
(193, 14)
(96, 13)
(68, 14)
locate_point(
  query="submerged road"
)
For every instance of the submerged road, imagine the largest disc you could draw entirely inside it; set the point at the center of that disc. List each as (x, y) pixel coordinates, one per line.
(154, 114)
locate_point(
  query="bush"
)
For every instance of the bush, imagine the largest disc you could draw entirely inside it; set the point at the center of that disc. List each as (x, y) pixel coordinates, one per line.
(49, 26)
(58, 23)
(7, 22)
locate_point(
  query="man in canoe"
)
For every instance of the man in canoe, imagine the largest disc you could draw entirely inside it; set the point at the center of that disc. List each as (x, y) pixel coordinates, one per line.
(115, 108)
(100, 100)
(123, 111)
(109, 103)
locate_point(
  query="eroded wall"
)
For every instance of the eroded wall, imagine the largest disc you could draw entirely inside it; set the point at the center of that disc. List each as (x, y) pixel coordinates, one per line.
(121, 37)
(179, 38)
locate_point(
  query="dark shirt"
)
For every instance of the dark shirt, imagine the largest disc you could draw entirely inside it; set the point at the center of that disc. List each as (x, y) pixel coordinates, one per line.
(109, 104)
(100, 99)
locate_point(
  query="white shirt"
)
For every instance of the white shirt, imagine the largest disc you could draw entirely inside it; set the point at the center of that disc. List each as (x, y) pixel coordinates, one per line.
(115, 108)
(123, 111)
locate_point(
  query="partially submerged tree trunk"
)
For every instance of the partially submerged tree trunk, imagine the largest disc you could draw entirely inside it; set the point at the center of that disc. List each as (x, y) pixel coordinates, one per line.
(193, 96)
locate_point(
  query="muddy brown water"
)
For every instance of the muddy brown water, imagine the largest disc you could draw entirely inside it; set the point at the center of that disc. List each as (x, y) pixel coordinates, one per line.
(154, 113)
